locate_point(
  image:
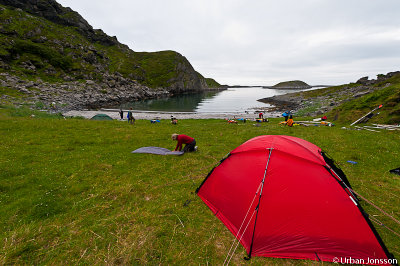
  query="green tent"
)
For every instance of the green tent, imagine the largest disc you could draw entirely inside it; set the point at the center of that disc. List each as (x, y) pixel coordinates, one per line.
(101, 117)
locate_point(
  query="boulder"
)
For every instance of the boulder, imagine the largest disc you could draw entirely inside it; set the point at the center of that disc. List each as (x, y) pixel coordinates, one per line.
(363, 81)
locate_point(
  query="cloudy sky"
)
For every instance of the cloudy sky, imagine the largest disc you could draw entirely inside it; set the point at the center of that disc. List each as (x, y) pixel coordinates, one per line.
(259, 42)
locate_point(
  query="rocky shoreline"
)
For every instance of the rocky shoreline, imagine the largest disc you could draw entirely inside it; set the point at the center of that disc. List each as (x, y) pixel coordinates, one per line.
(315, 105)
(76, 95)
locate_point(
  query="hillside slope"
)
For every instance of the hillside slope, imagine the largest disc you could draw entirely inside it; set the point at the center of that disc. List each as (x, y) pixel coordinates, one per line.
(348, 102)
(49, 53)
(387, 93)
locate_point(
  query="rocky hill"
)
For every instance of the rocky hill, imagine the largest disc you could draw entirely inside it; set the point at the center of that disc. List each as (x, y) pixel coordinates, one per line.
(294, 85)
(347, 102)
(49, 53)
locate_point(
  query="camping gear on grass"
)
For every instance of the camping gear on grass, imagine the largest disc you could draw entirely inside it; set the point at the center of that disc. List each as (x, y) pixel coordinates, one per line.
(282, 197)
(367, 116)
(395, 171)
(157, 150)
(316, 122)
(101, 117)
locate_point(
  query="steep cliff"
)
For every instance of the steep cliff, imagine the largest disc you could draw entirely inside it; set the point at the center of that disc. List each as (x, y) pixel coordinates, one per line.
(54, 12)
(54, 47)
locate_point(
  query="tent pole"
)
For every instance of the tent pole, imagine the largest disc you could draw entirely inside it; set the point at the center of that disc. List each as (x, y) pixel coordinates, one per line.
(344, 183)
(258, 205)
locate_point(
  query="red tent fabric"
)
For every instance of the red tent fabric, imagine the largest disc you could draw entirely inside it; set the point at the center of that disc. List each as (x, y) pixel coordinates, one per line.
(280, 198)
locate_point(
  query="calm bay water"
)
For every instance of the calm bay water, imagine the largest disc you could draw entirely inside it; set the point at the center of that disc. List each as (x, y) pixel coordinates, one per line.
(232, 100)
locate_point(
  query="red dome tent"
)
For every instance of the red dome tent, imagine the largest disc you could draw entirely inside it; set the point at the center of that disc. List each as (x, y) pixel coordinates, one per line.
(280, 198)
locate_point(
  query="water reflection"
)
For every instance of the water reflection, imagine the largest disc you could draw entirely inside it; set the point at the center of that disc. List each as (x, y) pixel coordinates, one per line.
(232, 100)
(178, 103)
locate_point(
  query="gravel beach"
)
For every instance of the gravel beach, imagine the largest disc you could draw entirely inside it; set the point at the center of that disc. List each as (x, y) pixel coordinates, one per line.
(113, 113)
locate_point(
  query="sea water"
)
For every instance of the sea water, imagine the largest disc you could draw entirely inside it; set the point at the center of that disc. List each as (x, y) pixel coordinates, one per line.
(232, 100)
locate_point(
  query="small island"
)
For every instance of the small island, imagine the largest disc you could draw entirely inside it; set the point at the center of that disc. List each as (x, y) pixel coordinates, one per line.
(291, 85)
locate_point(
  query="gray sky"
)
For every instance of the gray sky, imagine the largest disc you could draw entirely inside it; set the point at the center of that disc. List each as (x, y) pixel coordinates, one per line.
(259, 42)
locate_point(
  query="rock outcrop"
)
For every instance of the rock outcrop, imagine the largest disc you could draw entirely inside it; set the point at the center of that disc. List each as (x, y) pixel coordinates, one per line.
(77, 66)
(53, 11)
(381, 77)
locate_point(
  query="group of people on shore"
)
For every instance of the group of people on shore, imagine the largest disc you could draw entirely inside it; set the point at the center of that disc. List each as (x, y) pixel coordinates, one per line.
(190, 143)
(288, 118)
(129, 116)
(287, 115)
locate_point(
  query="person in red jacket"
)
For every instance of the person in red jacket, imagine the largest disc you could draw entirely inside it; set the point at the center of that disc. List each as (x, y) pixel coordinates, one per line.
(183, 139)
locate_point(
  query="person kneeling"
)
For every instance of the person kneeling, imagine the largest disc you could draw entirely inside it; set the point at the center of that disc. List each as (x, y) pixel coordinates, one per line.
(290, 121)
(190, 143)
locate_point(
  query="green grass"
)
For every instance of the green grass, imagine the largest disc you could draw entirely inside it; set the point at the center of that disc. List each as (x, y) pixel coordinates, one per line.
(325, 91)
(160, 67)
(308, 109)
(388, 96)
(71, 191)
(11, 92)
(211, 83)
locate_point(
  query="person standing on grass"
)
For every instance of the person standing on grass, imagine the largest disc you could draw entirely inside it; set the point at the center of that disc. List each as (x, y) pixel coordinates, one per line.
(286, 115)
(131, 119)
(121, 114)
(183, 139)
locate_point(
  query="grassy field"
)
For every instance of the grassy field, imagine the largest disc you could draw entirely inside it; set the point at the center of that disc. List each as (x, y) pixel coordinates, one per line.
(71, 191)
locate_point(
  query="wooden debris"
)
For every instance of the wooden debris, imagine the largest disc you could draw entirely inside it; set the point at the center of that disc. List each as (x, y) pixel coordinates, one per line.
(378, 127)
(367, 129)
(388, 127)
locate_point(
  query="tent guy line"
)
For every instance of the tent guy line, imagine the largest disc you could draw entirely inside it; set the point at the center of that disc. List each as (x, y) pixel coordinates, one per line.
(302, 228)
(382, 224)
(376, 207)
(255, 210)
(244, 219)
(238, 242)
